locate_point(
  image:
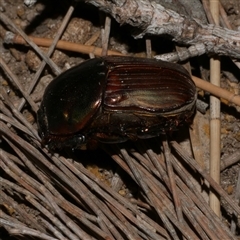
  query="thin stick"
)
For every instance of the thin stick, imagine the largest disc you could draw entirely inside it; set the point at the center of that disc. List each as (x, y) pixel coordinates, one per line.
(171, 177)
(161, 210)
(203, 172)
(15, 123)
(49, 53)
(217, 91)
(236, 197)
(19, 115)
(154, 196)
(230, 160)
(19, 229)
(13, 78)
(64, 45)
(81, 171)
(51, 217)
(105, 35)
(215, 123)
(224, 16)
(10, 23)
(148, 48)
(205, 4)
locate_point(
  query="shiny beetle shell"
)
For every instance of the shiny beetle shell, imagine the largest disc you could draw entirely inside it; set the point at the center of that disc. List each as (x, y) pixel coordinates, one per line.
(113, 99)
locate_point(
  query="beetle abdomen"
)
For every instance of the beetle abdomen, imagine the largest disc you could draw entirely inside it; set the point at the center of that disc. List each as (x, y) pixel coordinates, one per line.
(144, 85)
(144, 98)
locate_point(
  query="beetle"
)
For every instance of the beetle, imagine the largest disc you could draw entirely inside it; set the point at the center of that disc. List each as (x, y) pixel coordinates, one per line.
(113, 99)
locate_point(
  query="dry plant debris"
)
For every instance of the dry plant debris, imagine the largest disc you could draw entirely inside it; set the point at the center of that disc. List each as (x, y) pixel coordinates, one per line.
(148, 189)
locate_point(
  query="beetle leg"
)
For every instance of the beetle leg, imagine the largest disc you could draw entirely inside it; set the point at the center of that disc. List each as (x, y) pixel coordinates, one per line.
(69, 141)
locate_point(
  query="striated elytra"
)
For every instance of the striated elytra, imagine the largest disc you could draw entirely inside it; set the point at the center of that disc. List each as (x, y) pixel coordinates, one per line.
(113, 99)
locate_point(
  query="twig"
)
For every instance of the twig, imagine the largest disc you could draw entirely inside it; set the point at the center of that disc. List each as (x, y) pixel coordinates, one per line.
(84, 194)
(19, 229)
(15, 82)
(53, 229)
(171, 176)
(192, 192)
(63, 45)
(15, 123)
(224, 16)
(78, 232)
(123, 201)
(24, 215)
(52, 218)
(13, 158)
(215, 122)
(183, 54)
(37, 173)
(217, 91)
(163, 206)
(237, 199)
(18, 114)
(196, 143)
(214, 185)
(159, 208)
(92, 39)
(207, 11)
(148, 48)
(216, 224)
(105, 35)
(152, 18)
(230, 160)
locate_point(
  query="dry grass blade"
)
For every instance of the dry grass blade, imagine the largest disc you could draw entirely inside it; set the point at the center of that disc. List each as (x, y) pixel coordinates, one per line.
(17, 229)
(213, 184)
(152, 180)
(171, 177)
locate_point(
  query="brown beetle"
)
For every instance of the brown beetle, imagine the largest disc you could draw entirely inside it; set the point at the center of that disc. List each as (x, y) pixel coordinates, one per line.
(113, 99)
